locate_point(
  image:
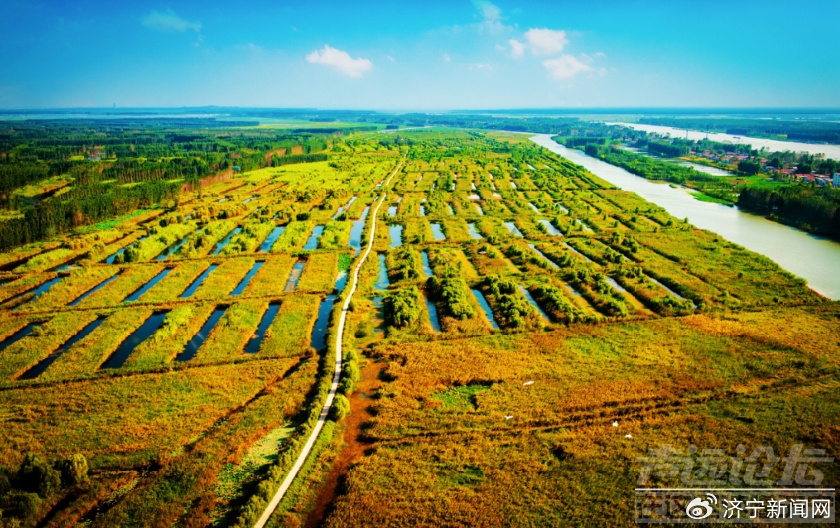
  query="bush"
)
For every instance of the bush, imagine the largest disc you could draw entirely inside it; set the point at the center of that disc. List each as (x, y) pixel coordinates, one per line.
(35, 475)
(340, 408)
(402, 307)
(74, 469)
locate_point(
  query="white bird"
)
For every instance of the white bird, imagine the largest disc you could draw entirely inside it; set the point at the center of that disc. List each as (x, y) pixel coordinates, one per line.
(628, 435)
(528, 383)
(615, 423)
(508, 417)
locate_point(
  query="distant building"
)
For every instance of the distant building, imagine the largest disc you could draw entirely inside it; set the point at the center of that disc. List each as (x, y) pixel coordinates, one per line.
(836, 180)
(235, 168)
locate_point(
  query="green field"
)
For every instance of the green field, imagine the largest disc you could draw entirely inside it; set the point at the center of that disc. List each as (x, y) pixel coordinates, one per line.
(630, 331)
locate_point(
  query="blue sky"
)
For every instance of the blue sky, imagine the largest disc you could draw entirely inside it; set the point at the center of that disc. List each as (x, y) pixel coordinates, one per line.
(429, 55)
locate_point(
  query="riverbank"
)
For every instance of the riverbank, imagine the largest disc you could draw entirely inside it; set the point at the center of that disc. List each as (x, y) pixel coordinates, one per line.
(810, 257)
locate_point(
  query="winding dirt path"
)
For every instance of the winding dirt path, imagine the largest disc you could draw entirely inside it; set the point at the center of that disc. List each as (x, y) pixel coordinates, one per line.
(354, 448)
(322, 419)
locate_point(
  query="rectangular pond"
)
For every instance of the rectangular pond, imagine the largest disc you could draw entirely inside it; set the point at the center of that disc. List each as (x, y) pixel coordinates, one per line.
(93, 290)
(146, 287)
(221, 245)
(173, 249)
(197, 282)
(125, 349)
(34, 293)
(294, 276)
(17, 336)
(271, 239)
(42, 365)
(542, 255)
(525, 293)
(191, 349)
(427, 269)
(437, 232)
(550, 228)
(473, 231)
(395, 230)
(433, 313)
(319, 331)
(513, 229)
(356, 232)
(484, 306)
(256, 340)
(247, 278)
(312, 243)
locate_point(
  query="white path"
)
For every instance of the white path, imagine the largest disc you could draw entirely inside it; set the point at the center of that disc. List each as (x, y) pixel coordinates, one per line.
(322, 419)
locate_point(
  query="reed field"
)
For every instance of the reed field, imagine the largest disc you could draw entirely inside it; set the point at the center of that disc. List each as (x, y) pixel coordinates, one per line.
(522, 333)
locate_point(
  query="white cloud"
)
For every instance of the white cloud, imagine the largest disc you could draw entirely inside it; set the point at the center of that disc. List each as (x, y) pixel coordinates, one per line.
(517, 49)
(546, 41)
(390, 58)
(340, 60)
(168, 21)
(447, 58)
(491, 15)
(565, 67)
(489, 11)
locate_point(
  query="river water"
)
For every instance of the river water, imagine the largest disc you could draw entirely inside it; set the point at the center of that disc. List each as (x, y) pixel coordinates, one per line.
(773, 145)
(813, 258)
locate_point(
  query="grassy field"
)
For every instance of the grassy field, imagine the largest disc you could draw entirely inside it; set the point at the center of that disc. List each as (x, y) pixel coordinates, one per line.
(523, 372)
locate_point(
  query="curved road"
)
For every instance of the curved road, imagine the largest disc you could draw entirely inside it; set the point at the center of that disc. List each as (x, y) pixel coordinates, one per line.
(307, 448)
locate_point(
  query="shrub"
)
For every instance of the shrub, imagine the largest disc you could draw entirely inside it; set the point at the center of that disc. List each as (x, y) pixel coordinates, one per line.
(402, 307)
(340, 407)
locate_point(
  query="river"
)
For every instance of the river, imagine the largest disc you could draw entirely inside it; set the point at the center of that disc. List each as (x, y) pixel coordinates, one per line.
(773, 145)
(813, 258)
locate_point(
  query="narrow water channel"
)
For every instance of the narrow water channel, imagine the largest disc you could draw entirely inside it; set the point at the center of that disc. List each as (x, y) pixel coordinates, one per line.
(149, 327)
(395, 230)
(312, 243)
(42, 365)
(34, 293)
(550, 228)
(17, 336)
(93, 290)
(247, 278)
(437, 232)
(486, 307)
(356, 232)
(382, 281)
(110, 260)
(294, 276)
(197, 282)
(256, 340)
(513, 229)
(191, 349)
(525, 293)
(427, 269)
(173, 249)
(542, 255)
(221, 245)
(146, 287)
(319, 331)
(272, 237)
(433, 313)
(473, 231)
